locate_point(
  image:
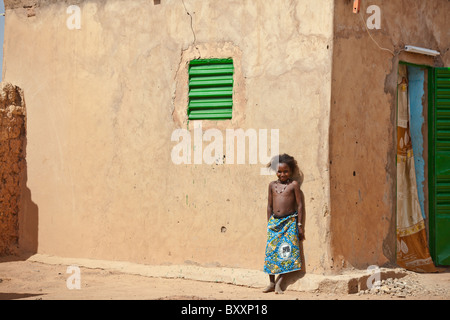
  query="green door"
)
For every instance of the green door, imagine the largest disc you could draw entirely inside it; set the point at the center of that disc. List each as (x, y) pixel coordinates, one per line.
(439, 174)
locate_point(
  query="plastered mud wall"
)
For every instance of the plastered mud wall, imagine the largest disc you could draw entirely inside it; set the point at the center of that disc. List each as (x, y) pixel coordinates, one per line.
(363, 121)
(12, 164)
(104, 99)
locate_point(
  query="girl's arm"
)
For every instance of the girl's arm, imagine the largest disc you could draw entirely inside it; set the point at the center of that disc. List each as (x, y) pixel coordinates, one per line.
(269, 202)
(298, 199)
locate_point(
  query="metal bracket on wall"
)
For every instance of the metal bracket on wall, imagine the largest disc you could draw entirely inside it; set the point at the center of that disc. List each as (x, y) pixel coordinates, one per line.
(356, 6)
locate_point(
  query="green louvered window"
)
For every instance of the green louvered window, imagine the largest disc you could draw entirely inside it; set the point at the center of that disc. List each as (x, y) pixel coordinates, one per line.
(210, 89)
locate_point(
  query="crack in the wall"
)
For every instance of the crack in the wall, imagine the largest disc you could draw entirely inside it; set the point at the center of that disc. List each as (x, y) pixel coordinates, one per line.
(194, 43)
(175, 87)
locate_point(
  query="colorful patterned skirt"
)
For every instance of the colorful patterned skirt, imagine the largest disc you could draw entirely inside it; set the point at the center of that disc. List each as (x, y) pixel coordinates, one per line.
(282, 250)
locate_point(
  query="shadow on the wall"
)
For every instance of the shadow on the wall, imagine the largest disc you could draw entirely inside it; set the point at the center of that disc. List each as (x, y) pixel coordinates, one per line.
(28, 213)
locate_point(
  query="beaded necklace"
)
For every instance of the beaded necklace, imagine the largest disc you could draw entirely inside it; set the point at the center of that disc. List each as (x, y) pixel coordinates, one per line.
(288, 181)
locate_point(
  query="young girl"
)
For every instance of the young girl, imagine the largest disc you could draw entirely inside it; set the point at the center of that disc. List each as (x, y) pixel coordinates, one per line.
(284, 214)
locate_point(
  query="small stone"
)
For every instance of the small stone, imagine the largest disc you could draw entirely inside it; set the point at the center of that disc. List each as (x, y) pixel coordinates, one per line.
(385, 289)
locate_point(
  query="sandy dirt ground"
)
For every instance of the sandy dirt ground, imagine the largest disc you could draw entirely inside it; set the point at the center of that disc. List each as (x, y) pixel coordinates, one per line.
(29, 280)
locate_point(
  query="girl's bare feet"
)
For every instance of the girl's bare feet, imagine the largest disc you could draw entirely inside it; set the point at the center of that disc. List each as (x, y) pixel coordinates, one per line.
(278, 289)
(269, 288)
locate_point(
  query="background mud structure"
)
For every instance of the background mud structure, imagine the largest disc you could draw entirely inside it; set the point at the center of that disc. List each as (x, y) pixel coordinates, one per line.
(12, 163)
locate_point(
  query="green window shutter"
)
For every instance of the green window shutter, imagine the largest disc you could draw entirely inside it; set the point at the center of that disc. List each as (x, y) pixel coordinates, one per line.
(440, 166)
(210, 89)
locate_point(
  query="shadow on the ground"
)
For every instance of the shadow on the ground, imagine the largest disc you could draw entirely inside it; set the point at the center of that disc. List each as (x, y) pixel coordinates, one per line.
(13, 296)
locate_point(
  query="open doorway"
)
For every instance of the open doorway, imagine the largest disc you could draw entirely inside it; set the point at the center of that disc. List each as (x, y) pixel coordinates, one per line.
(423, 167)
(412, 169)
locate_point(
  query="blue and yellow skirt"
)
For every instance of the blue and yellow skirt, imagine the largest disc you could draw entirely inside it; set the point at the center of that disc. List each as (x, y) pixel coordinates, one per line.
(283, 245)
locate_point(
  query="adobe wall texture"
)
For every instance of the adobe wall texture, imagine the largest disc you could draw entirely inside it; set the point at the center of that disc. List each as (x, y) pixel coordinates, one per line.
(13, 4)
(12, 164)
(104, 100)
(363, 121)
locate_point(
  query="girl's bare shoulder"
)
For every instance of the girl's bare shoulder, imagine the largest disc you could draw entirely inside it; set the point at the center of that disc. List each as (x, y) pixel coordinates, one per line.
(294, 185)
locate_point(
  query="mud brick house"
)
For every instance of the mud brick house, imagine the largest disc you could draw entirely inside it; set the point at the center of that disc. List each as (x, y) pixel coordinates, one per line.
(110, 92)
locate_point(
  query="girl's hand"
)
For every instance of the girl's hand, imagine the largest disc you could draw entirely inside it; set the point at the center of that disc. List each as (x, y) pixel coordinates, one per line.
(301, 235)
